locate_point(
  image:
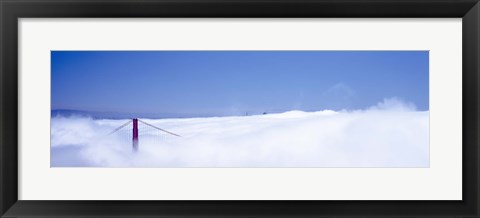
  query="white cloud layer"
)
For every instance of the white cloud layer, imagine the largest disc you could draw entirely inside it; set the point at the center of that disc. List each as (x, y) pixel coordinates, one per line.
(390, 134)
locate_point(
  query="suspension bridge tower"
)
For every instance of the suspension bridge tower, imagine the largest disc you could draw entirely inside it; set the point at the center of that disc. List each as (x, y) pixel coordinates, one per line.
(135, 132)
(135, 135)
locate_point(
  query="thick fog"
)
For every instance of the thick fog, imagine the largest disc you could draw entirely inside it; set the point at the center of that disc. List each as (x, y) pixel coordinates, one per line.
(389, 134)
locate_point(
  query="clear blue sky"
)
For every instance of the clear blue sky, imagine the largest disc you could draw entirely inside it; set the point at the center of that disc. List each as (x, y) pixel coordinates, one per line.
(235, 82)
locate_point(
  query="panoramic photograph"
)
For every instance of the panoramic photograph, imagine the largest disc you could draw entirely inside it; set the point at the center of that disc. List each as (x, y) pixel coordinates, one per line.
(242, 109)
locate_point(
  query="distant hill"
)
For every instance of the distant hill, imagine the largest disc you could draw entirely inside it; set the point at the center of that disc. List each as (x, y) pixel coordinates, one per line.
(121, 115)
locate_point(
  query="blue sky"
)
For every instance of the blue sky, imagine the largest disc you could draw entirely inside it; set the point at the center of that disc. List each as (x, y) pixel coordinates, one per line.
(235, 82)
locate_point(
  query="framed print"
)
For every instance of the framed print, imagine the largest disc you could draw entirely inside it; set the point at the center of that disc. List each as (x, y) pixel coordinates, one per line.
(226, 108)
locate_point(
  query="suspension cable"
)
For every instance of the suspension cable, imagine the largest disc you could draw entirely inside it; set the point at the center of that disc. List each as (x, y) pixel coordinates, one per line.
(120, 127)
(148, 124)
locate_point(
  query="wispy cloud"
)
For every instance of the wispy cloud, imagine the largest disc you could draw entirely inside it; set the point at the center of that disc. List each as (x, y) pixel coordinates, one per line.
(340, 90)
(338, 96)
(394, 104)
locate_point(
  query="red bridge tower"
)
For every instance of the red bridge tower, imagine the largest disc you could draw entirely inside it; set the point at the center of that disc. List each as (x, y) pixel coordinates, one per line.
(135, 135)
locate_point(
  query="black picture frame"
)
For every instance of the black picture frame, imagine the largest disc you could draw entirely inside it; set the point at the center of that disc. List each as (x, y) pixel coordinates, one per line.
(11, 10)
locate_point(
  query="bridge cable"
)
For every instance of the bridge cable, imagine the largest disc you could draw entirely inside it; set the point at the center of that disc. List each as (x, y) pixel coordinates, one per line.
(120, 127)
(148, 124)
